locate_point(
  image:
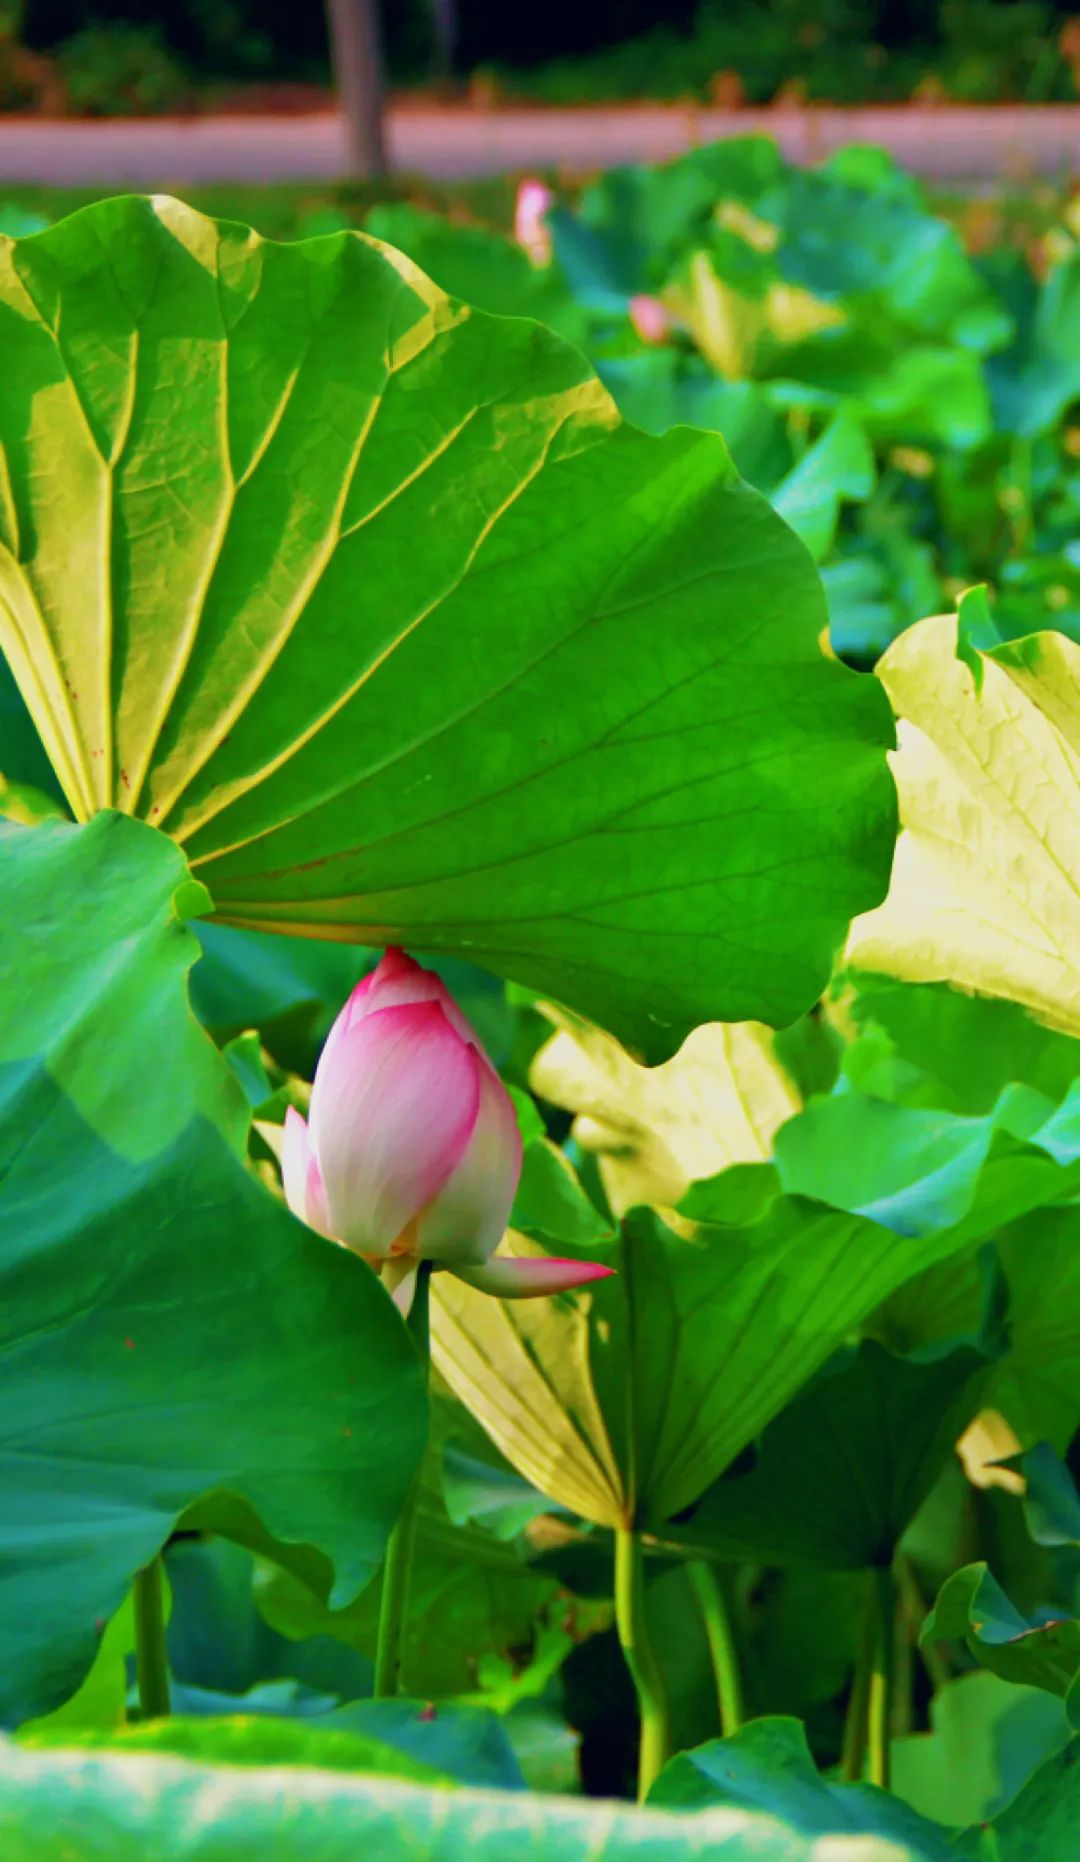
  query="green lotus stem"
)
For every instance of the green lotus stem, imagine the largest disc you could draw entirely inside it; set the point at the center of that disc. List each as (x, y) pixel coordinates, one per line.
(881, 1618)
(1022, 489)
(914, 1608)
(714, 1604)
(901, 1713)
(151, 1658)
(853, 1756)
(640, 1656)
(398, 1564)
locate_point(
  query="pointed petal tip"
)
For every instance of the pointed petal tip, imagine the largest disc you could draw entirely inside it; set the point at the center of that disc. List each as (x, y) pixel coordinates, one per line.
(519, 1277)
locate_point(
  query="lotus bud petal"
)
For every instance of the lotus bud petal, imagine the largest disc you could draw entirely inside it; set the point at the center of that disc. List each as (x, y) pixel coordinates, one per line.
(533, 203)
(412, 1150)
(300, 1175)
(517, 1277)
(467, 1221)
(650, 318)
(393, 1109)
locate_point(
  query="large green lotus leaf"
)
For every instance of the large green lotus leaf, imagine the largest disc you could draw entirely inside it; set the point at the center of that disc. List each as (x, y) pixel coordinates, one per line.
(896, 1419)
(1041, 1822)
(767, 1765)
(1035, 381)
(837, 469)
(885, 255)
(252, 1740)
(628, 1401)
(550, 1204)
(1051, 1498)
(868, 166)
(634, 223)
(881, 580)
(87, 1806)
(467, 1743)
(1036, 1385)
(803, 1641)
(101, 1701)
(1042, 1652)
(665, 387)
(768, 1762)
(171, 1335)
(481, 267)
(986, 888)
(986, 1738)
(914, 392)
(658, 390)
(373, 603)
(219, 1643)
(926, 1044)
(919, 1171)
(486, 1493)
(394, 1738)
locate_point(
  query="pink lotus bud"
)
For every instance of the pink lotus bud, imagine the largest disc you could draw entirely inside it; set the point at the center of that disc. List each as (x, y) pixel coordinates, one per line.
(412, 1151)
(533, 203)
(650, 318)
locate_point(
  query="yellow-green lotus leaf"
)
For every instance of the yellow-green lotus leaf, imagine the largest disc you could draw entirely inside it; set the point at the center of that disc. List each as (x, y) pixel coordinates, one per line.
(656, 1130)
(985, 891)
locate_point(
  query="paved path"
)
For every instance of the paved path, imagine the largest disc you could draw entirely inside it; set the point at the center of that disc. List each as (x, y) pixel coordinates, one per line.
(971, 143)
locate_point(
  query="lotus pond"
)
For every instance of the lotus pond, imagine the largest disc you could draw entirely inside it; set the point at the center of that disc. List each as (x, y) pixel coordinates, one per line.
(607, 1382)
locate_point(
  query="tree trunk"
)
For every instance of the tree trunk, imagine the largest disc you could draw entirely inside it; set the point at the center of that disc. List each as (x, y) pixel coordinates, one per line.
(358, 73)
(443, 39)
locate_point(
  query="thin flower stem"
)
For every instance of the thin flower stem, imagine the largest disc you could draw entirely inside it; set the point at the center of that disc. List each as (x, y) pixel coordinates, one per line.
(714, 1604)
(151, 1658)
(879, 1699)
(915, 1608)
(398, 1562)
(640, 1656)
(853, 1757)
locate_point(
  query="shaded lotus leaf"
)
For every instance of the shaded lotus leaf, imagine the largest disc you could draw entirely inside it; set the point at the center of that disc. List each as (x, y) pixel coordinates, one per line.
(1045, 1652)
(175, 1346)
(625, 1402)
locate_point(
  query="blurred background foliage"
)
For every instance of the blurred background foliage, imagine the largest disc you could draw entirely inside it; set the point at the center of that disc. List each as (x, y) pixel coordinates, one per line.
(107, 57)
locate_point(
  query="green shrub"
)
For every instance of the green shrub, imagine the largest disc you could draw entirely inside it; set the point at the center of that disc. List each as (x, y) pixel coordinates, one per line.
(121, 70)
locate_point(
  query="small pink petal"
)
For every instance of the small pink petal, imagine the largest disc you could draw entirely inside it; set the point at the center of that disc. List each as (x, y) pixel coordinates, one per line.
(400, 980)
(316, 1197)
(350, 1013)
(295, 1155)
(393, 1107)
(300, 1176)
(650, 318)
(519, 1277)
(467, 1219)
(534, 201)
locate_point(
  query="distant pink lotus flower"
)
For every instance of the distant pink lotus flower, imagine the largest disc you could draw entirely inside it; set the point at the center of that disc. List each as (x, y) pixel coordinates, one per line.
(534, 202)
(412, 1150)
(651, 319)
